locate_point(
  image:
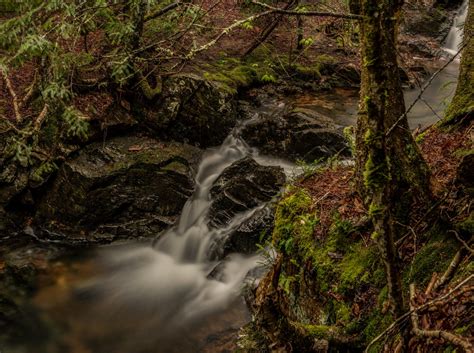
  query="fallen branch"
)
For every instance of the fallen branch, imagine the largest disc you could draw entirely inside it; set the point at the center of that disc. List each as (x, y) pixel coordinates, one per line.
(447, 336)
(405, 316)
(448, 274)
(16, 107)
(309, 13)
(466, 245)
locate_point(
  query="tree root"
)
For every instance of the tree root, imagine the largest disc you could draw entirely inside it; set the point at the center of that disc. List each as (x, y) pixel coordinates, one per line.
(447, 336)
(452, 294)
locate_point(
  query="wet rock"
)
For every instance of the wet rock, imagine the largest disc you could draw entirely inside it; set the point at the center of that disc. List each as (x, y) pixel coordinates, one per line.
(250, 233)
(128, 187)
(243, 186)
(194, 110)
(432, 22)
(299, 134)
(19, 270)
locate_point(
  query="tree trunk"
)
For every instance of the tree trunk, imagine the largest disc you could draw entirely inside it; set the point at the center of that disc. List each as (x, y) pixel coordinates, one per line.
(462, 106)
(299, 30)
(390, 170)
(381, 106)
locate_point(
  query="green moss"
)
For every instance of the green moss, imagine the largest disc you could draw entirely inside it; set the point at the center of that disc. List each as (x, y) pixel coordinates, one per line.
(148, 91)
(467, 225)
(375, 173)
(315, 331)
(359, 266)
(419, 139)
(375, 209)
(294, 224)
(343, 313)
(435, 256)
(463, 152)
(375, 323)
(234, 74)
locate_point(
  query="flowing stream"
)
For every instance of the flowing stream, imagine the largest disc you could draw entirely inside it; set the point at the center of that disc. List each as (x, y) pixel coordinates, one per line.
(167, 297)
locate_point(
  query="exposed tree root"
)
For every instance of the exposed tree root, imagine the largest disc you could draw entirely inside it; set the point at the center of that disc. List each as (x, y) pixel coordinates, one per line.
(447, 336)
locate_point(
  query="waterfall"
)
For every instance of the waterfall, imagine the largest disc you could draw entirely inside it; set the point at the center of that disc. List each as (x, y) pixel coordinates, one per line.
(173, 285)
(441, 90)
(455, 36)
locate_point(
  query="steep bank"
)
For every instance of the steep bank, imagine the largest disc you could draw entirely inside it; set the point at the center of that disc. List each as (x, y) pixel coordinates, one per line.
(326, 291)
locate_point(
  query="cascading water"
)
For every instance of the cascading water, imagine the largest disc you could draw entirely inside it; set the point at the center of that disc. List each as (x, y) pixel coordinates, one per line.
(152, 298)
(455, 36)
(439, 93)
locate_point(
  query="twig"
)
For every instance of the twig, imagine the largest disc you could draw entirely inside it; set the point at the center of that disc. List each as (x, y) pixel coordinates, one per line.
(226, 31)
(162, 11)
(427, 84)
(466, 245)
(447, 336)
(429, 287)
(453, 265)
(421, 307)
(309, 13)
(30, 92)
(16, 107)
(41, 116)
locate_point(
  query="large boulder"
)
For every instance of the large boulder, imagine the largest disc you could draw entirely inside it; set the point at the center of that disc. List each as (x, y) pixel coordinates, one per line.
(193, 110)
(241, 187)
(127, 187)
(299, 134)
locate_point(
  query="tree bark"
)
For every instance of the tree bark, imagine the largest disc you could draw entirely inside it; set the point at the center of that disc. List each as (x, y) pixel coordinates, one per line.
(390, 170)
(381, 106)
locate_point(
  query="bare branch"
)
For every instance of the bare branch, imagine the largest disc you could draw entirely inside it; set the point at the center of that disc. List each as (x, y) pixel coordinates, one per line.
(226, 31)
(309, 13)
(162, 11)
(466, 245)
(41, 116)
(405, 316)
(423, 89)
(447, 336)
(16, 107)
(453, 265)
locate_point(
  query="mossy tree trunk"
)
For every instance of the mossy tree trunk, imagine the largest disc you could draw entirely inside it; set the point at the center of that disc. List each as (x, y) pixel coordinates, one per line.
(390, 169)
(462, 106)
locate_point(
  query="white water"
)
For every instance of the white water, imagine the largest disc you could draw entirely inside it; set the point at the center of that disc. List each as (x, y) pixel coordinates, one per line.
(437, 96)
(153, 294)
(455, 36)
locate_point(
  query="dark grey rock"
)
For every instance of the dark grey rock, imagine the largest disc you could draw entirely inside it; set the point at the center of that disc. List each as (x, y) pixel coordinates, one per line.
(129, 187)
(299, 134)
(243, 186)
(193, 110)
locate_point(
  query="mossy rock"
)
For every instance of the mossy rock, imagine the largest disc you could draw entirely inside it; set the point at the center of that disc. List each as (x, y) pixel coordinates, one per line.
(127, 187)
(191, 109)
